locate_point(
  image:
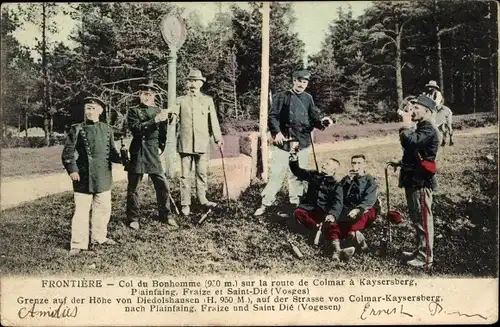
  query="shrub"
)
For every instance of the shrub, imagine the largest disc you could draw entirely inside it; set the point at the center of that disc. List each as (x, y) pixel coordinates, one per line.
(30, 141)
(232, 127)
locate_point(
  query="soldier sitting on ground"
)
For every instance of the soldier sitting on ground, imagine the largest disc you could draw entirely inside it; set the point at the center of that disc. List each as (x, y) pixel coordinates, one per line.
(87, 156)
(360, 194)
(322, 202)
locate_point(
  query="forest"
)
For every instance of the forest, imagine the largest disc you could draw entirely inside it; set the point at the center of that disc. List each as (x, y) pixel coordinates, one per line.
(366, 65)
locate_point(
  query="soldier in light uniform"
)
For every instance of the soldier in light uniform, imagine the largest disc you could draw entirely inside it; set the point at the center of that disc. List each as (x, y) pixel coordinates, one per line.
(198, 123)
(147, 124)
(293, 115)
(417, 176)
(87, 157)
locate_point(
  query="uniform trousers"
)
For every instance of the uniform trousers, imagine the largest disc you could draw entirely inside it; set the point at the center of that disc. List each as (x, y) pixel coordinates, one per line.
(100, 203)
(420, 210)
(279, 167)
(200, 161)
(338, 230)
(162, 195)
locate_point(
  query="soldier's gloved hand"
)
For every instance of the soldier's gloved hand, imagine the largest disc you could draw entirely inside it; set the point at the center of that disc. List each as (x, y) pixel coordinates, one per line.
(353, 214)
(330, 219)
(326, 121)
(75, 176)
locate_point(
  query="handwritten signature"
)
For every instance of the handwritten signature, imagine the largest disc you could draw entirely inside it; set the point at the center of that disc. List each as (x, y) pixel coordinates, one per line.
(436, 308)
(60, 312)
(369, 311)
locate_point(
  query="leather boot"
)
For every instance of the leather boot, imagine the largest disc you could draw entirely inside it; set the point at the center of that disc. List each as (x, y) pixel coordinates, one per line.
(336, 250)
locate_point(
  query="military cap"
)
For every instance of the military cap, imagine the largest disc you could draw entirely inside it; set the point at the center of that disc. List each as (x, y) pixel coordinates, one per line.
(302, 74)
(94, 100)
(425, 101)
(148, 87)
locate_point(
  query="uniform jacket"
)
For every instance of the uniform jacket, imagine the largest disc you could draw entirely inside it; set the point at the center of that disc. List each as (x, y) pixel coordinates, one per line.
(148, 138)
(197, 123)
(359, 192)
(295, 113)
(323, 191)
(423, 140)
(90, 150)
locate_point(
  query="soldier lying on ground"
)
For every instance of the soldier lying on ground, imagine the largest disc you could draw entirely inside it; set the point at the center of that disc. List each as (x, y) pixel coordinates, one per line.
(321, 203)
(91, 174)
(360, 193)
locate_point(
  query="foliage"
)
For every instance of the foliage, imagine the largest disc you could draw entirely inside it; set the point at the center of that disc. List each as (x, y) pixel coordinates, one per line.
(364, 67)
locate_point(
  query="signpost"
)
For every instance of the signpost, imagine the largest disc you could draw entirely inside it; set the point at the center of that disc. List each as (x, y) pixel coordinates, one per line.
(264, 90)
(173, 31)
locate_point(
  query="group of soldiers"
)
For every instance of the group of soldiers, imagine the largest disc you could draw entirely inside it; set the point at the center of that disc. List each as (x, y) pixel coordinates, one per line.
(318, 199)
(90, 150)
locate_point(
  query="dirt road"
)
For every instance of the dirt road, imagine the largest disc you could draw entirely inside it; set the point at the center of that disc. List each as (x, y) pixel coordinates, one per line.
(15, 191)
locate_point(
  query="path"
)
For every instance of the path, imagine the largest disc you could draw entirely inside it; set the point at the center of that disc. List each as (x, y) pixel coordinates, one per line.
(19, 190)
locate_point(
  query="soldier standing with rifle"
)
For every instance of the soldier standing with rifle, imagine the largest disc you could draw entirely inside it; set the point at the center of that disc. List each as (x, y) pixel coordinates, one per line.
(147, 124)
(87, 157)
(417, 176)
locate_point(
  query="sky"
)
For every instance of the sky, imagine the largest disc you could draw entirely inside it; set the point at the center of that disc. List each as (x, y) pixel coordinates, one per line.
(313, 19)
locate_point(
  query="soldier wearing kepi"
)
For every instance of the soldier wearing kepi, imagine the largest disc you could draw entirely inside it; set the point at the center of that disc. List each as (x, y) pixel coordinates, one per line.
(147, 124)
(198, 123)
(293, 115)
(417, 176)
(87, 156)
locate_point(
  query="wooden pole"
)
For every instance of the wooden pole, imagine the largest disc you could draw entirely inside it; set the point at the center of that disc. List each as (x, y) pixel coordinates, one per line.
(264, 89)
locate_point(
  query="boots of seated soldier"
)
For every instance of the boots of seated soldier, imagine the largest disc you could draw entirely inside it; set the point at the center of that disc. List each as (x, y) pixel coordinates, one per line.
(360, 241)
(336, 250)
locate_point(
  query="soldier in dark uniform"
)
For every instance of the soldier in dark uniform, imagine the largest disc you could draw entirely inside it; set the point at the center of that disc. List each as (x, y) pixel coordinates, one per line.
(417, 175)
(147, 124)
(293, 115)
(87, 156)
(360, 204)
(322, 203)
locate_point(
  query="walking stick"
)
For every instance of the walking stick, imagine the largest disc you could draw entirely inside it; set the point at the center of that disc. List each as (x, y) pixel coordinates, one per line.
(170, 196)
(225, 178)
(314, 152)
(389, 230)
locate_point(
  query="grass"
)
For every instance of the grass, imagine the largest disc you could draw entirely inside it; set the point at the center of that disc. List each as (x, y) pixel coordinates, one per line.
(35, 237)
(20, 162)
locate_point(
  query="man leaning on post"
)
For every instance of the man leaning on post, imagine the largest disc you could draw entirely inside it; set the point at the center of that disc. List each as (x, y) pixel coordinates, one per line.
(293, 115)
(417, 176)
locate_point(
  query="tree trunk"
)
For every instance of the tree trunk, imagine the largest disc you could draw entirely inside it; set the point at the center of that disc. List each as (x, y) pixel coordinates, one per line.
(491, 60)
(47, 116)
(26, 119)
(474, 81)
(399, 77)
(463, 89)
(452, 87)
(439, 51)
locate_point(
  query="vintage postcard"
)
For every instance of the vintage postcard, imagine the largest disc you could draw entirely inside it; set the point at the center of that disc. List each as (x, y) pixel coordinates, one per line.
(249, 163)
